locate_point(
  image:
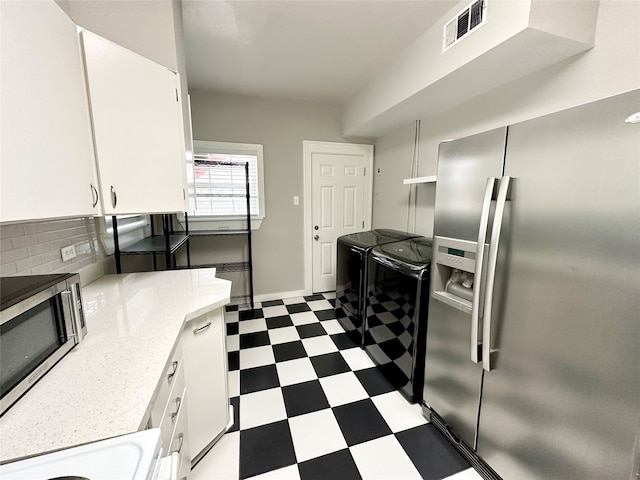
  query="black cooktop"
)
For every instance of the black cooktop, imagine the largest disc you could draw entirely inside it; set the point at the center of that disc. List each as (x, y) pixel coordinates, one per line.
(16, 289)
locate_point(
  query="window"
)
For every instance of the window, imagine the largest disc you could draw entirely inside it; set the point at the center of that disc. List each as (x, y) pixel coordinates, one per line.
(220, 182)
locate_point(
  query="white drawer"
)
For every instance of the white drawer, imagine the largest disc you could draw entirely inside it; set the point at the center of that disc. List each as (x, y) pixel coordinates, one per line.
(180, 439)
(174, 406)
(166, 383)
(201, 328)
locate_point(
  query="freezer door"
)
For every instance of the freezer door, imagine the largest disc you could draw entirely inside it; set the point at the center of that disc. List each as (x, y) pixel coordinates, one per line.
(463, 168)
(563, 398)
(452, 380)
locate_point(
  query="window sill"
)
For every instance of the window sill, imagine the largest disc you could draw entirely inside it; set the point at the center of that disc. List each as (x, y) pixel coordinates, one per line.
(209, 223)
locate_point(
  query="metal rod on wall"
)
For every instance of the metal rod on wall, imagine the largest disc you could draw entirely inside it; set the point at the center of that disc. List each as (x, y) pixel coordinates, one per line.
(246, 172)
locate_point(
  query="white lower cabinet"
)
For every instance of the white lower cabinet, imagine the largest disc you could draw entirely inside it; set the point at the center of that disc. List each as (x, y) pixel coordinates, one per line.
(192, 404)
(169, 413)
(205, 370)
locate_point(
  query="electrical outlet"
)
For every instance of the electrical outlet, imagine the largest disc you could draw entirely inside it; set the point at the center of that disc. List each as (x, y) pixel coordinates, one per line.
(68, 253)
(379, 171)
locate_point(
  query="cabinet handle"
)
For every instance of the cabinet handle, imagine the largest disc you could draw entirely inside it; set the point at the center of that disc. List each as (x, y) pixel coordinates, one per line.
(175, 368)
(178, 403)
(180, 438)
(94, 196)
(201, 329)
(114, 197)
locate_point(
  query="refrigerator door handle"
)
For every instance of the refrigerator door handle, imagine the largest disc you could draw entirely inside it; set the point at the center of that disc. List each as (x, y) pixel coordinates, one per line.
(489, 195)
(503, 196)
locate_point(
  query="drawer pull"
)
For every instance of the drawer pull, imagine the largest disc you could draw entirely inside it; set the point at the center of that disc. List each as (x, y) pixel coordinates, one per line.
(94, 195)
(178, 403)
(114, 197)
(180, 438)
(201, 329)
(175, 368)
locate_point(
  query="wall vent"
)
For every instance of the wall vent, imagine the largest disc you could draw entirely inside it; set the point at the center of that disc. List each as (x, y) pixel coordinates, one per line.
(470, 18)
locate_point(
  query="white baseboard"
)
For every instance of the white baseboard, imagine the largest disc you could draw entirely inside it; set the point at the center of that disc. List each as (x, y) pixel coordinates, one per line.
(278, 296)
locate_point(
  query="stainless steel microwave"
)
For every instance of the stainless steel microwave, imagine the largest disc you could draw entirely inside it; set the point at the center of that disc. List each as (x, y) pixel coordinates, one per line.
(41, 320)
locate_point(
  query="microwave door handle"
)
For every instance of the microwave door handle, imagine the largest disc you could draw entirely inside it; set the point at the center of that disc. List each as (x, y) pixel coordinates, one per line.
(503, 196)
(78, 315)
(68, 295)
(489, 195)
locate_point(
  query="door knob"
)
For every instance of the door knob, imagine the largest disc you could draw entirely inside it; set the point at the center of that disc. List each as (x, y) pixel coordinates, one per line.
(316, 237)
(316, 227)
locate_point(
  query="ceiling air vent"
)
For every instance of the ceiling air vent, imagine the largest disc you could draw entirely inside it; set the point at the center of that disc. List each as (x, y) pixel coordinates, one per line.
(466, 21)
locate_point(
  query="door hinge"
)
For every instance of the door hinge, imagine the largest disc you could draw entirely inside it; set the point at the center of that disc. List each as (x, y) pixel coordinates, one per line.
(176, 94)
(365, 172)
(363, 224)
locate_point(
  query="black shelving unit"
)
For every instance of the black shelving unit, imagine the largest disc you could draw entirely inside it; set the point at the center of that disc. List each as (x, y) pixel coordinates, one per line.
(171, 240)
(227, 267)
(165, 244)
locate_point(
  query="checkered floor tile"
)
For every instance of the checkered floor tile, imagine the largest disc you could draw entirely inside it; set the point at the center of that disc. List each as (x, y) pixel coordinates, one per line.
(310, 404)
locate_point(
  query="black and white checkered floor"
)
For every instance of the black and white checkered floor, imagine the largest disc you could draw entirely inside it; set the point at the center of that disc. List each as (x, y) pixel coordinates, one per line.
(310, 404)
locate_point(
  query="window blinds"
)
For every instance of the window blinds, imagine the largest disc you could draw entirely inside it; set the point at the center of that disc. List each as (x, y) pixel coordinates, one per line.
(220, 184)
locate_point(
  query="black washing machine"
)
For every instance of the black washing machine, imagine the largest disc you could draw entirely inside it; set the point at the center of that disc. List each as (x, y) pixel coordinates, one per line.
(396, 314)
(351, 274)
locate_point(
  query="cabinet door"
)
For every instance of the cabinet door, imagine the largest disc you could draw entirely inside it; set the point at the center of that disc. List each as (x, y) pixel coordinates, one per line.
(205, 369)
(135, 109)
(46, 155)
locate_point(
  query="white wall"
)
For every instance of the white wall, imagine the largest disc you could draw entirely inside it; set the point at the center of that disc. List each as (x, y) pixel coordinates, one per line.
(393, 154)
(525, 34)
(280, 126)
(144, 26)
(611, 67)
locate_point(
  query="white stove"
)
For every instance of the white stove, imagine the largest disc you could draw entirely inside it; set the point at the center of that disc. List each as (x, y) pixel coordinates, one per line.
(136, 456)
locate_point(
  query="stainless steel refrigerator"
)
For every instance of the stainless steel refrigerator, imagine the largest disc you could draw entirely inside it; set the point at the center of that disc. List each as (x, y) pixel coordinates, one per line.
(533, 348)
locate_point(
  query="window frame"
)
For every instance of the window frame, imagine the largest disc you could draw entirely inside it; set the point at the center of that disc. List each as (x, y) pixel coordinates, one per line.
(231, 222)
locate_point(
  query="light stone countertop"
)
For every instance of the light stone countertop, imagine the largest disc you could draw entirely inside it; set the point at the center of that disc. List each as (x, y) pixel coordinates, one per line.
(105, 386)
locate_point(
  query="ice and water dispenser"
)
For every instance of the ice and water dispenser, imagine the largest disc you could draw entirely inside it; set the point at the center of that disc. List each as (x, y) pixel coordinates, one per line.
(454, 273)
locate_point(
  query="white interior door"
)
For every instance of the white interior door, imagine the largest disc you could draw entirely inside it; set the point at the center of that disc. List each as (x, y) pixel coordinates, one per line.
(340, 203)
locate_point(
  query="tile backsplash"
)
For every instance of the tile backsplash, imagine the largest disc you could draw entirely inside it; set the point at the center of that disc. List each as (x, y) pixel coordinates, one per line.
(34, 248)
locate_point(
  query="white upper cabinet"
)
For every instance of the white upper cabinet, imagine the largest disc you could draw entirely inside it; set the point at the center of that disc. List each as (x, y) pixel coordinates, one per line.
(46, 159)
(139, 143)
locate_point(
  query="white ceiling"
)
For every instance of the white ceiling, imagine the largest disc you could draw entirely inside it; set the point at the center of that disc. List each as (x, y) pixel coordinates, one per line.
(321, 50)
